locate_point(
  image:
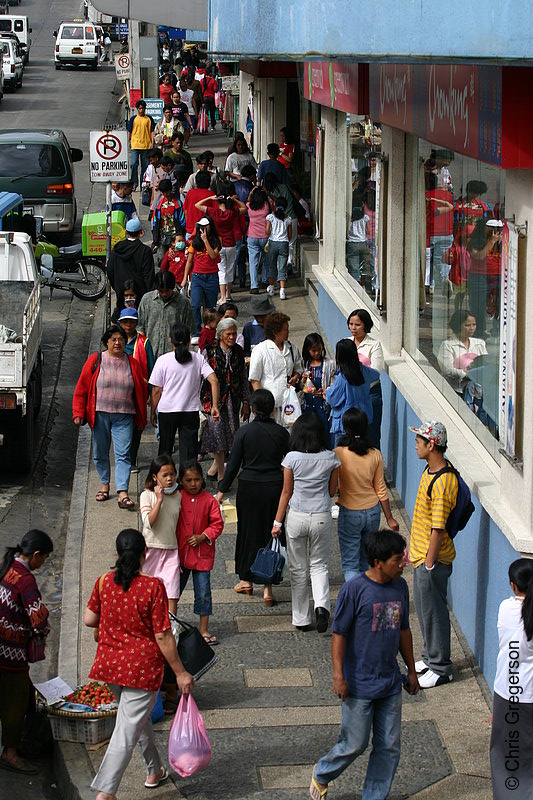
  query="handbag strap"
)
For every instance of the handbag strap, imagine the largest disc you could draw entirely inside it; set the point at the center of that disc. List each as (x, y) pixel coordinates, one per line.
(182, 622)
(275, 545)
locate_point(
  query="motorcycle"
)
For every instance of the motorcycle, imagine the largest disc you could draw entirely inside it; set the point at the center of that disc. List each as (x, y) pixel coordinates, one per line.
(68, 269)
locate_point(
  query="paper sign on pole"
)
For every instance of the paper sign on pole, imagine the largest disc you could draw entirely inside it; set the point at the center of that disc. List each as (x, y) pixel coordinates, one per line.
(109, 156)
(122, 66)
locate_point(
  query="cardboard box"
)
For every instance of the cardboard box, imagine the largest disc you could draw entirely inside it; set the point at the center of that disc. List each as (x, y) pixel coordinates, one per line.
(93, 236)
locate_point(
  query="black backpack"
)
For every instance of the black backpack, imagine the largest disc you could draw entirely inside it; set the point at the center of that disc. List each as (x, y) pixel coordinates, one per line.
(464, 507)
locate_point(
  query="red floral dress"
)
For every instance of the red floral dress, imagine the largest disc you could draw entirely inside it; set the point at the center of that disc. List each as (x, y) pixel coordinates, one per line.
(127, 652)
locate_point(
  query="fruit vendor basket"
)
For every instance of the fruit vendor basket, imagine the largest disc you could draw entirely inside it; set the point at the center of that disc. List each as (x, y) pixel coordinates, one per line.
(86, 727)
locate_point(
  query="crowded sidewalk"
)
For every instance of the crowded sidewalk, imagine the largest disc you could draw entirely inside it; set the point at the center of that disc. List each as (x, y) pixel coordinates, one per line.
(268, 704)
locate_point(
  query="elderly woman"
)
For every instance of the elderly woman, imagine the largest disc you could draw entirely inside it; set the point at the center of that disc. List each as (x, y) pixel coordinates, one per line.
(258, 448)
(176, 381)
(111, 396)
(276, 362)
(226, 358)
(370, 354)
(135, 638)
(23, 615)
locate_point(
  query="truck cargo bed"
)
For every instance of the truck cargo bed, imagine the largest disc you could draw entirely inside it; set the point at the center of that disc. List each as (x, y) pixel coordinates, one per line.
(13, 298)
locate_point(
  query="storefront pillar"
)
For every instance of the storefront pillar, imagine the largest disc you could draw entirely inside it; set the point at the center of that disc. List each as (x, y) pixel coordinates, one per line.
(334, 198)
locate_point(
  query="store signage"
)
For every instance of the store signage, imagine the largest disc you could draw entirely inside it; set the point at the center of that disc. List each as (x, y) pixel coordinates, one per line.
(393, 94)
(334, 84)
(453, 107)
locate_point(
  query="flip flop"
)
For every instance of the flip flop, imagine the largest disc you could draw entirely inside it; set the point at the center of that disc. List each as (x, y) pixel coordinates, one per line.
(127, 503)
(211, 640)
(315, 792)
(102, 496)
(163, 776)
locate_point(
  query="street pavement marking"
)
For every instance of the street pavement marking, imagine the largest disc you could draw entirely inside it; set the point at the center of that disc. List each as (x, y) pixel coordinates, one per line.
(264, 624)
(230, 566)
(271, 717)
(268, 678)
(283, 776)
(230, 596)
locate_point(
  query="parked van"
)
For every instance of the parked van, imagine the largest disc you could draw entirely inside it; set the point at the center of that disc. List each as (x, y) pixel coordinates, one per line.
(76, 43)
(38, 164)
(15, 23)
(12, 64)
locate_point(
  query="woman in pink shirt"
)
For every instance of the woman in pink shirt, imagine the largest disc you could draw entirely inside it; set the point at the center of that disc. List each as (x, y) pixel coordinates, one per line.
(258, 207)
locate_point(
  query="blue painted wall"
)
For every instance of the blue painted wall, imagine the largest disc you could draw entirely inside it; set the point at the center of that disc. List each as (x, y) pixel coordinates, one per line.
(479, 580)
(393, 31)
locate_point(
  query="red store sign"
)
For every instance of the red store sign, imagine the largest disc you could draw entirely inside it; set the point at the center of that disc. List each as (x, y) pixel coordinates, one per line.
(337, 84)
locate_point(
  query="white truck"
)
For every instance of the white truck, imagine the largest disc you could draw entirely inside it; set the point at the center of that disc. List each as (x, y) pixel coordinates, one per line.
(20, 350)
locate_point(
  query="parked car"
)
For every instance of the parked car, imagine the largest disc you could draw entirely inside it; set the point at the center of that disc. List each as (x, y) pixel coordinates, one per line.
(76, 43)
(12, 63)
(19, 24)
(22, 49)
(38, 164)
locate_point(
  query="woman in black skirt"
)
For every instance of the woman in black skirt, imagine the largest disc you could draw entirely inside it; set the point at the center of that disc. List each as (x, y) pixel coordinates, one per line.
(259, 448)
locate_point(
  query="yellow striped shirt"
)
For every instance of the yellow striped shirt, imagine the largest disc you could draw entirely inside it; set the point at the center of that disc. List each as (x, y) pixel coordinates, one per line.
(433, 513)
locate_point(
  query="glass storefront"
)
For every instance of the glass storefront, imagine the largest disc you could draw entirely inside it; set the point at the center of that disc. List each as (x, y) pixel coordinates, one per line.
(456, 339)
(362, 240)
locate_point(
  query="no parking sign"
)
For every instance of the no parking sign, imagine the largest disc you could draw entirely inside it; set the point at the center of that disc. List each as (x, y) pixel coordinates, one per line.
(122, 66)
(109, 156)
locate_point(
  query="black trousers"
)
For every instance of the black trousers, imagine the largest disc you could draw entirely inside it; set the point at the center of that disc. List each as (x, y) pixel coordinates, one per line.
(186, 424)
(209, 103)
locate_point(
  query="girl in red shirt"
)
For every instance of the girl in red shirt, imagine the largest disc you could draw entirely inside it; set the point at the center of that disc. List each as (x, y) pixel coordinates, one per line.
(224, 211)
(175, 258)
(199, 524)
(202, 261)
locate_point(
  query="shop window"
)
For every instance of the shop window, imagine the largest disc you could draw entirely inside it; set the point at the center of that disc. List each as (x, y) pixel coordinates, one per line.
(363, 257)
(457, 339)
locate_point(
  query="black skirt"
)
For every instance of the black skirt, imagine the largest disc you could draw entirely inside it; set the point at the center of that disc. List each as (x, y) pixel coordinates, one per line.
(511, 748)
(257, 504)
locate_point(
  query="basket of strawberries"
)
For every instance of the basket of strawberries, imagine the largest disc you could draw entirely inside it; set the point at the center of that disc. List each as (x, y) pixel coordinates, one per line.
(86, 716)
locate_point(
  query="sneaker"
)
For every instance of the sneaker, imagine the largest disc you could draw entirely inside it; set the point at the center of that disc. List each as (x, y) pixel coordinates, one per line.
(254, 291)
(322, 619)
(420, 666)
(195, 339)
(270, 290)
(282, 295)
(430, 679)
(134, 468)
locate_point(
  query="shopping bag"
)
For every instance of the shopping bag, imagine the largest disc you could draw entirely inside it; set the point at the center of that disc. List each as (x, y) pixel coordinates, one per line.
(268, 564)
(189, 748)
(196, 655)
(158, 712)
(202, 121)
(291, 408)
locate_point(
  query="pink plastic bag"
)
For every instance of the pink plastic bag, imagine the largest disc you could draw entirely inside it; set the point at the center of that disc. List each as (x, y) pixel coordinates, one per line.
(189, 748)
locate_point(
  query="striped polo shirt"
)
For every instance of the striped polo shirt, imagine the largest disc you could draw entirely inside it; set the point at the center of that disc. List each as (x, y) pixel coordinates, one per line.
(433, 513)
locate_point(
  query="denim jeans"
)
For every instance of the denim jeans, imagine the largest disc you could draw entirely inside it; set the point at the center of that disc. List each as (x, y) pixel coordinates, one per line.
(118, 427)
(201, 581)
(134, 162)
(204, 288)
(278, 254)
(256, 249)
(352, 527)
(382, 717)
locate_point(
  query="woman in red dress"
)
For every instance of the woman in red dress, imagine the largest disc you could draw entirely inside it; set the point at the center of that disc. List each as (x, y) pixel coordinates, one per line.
(130, 610)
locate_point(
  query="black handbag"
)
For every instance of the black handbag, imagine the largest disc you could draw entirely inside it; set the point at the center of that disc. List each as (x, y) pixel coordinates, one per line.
(196, 655)
(146, 196)
(268, 564)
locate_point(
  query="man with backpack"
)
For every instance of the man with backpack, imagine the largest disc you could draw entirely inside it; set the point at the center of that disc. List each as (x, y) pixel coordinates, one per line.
(442, 507)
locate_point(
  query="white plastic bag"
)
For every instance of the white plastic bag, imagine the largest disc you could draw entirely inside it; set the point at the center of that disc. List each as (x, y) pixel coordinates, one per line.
(291, 408)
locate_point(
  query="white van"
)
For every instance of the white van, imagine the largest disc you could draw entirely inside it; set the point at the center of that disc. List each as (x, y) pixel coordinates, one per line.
(15, 23)
(76, 43)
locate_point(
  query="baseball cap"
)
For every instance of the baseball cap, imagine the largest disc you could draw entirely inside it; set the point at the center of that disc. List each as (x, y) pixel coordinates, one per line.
(203, 221)
(433, 431)
(494, 223)
(129, 313)
(133, 225)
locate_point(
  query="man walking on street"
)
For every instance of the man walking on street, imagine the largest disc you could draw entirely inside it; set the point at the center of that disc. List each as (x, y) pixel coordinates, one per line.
(140, 129)
(161, 309)
(432, 553)
(130, 259)
(371, 624)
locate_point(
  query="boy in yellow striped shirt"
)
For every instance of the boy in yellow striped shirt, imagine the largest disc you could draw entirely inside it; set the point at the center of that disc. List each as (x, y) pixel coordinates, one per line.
(432, 553)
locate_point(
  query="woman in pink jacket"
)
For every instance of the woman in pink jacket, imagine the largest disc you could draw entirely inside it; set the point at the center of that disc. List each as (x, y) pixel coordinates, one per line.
(199, 524)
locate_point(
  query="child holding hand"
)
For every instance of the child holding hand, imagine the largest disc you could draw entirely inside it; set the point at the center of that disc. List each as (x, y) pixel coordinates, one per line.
(200, 523)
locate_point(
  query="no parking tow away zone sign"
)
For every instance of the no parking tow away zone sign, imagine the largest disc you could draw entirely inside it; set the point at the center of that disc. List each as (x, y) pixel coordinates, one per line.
(109, 156)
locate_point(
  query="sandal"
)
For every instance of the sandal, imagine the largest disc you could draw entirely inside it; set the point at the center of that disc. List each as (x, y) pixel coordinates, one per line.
(127, 503)
(18, 765)
(270, 601)
(210, 639)
(163, 775)
(243, 588)
(102, 496)
(315, 792)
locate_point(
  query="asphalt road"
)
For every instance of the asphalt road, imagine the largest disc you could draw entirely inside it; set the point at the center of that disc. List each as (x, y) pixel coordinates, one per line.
(74, 100)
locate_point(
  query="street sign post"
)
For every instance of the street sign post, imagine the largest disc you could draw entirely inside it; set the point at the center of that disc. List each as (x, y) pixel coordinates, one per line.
(109, 161)
(109, 156)
(122, 66)
(154, 108)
